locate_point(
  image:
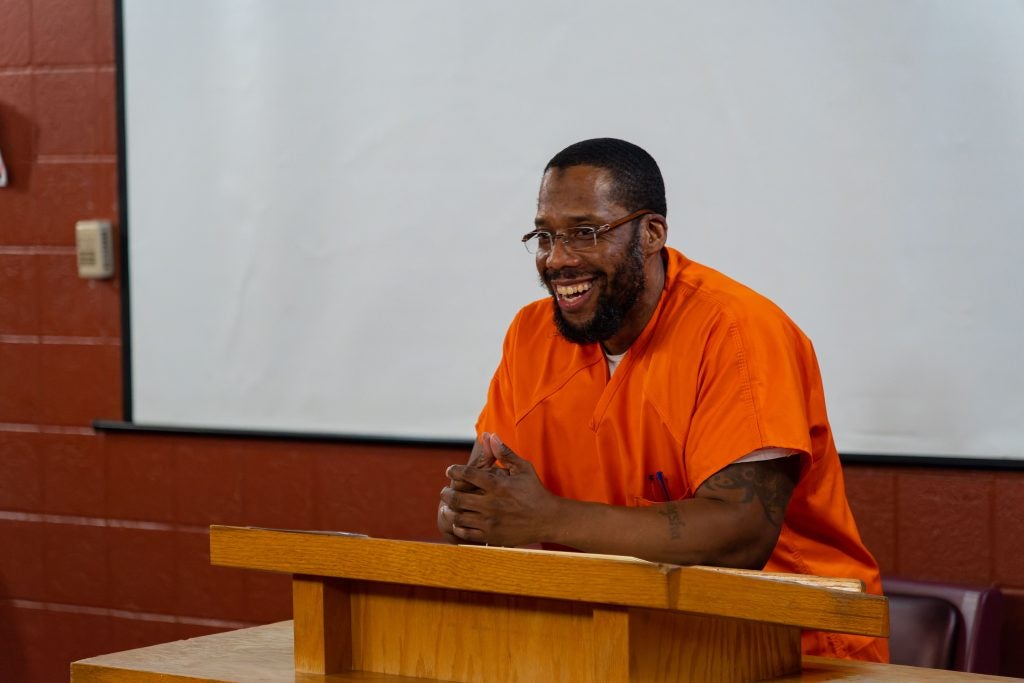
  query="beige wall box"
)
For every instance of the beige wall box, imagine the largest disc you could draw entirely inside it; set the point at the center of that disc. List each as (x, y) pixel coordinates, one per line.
(95, 247)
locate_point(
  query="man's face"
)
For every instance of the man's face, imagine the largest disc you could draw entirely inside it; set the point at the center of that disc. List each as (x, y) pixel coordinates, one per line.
(592, 291)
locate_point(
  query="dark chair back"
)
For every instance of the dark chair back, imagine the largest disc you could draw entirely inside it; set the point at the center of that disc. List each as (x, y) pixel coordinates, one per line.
(944, 625)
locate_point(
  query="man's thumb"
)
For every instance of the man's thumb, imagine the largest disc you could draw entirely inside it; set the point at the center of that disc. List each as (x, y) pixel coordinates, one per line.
(505, 455)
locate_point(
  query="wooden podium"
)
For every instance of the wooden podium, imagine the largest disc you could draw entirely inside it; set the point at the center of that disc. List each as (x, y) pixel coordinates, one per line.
(471, 613)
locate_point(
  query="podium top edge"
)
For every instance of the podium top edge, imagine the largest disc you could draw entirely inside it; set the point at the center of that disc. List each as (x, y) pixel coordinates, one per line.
(820, 582)
(537, 574)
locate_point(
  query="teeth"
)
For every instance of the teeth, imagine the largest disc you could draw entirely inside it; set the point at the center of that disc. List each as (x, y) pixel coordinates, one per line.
(569, 290)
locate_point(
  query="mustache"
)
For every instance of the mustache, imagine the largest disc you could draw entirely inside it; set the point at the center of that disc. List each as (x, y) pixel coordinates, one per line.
(566, 274)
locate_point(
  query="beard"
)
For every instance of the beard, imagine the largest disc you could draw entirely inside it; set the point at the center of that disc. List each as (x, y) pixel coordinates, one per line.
(625, 285)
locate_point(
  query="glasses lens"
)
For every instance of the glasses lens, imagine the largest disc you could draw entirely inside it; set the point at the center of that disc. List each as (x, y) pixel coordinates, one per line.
(538, 242)
(582, 238)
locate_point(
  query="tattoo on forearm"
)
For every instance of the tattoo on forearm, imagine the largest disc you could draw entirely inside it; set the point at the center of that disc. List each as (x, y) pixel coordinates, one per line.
(769, 483)
(675, 524)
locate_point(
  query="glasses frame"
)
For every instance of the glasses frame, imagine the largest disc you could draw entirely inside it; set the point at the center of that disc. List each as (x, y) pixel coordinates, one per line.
(564, 238)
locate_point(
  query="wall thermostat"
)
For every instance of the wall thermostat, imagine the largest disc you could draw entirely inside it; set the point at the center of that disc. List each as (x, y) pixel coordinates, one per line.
(94, 244)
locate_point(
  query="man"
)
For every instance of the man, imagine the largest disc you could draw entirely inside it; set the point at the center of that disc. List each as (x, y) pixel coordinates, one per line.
(652, 406)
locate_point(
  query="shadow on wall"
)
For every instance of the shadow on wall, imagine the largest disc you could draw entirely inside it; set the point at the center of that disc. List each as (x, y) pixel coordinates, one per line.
(12, 652)
(17, 143)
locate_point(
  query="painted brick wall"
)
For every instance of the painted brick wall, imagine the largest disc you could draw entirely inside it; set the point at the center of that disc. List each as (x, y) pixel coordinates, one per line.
(960, 526)
(103, 541)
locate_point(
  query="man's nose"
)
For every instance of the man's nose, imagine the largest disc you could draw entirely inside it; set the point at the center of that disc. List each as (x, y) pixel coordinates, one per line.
(560, 255)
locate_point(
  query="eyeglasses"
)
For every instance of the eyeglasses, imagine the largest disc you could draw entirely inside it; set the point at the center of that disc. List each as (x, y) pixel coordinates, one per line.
(580, 238)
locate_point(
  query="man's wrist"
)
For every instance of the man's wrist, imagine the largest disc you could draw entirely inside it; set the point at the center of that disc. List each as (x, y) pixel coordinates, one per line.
(558, 522)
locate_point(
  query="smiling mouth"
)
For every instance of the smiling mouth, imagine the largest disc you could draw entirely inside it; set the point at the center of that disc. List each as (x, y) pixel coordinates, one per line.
(571, 292)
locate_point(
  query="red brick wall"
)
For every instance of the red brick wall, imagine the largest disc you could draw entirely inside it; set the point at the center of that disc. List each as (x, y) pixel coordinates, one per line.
(961, 526)
(103, 536)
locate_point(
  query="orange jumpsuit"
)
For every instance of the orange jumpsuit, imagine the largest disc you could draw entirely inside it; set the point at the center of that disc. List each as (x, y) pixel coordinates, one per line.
(718, 372)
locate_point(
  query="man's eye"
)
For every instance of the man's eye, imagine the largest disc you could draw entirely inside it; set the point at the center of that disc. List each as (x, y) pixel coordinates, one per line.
(583, 233)
(543, 238)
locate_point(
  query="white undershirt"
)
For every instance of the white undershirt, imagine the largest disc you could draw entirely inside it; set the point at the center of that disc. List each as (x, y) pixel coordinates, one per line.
(613, 361)
(769, 453)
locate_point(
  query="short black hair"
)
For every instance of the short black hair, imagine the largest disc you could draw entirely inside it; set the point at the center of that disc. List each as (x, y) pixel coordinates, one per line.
(638, 181)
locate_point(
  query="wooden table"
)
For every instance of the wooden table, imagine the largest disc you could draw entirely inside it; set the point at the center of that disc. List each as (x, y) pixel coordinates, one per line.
(264, 654)
(386, 610)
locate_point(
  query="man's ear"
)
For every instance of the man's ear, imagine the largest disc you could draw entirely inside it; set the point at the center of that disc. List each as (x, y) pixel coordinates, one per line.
(655, 233)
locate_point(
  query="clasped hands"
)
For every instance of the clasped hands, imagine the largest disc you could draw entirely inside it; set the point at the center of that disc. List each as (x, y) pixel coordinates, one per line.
(496, 499)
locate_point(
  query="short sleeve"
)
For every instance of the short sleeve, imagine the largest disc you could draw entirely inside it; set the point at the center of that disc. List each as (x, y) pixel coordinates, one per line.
(498, 415)
(752, 392)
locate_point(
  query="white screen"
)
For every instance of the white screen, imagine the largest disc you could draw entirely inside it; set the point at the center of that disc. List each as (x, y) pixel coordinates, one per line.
(325, 198)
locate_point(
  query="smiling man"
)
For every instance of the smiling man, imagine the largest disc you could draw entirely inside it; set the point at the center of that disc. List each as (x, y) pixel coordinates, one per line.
(653, 407)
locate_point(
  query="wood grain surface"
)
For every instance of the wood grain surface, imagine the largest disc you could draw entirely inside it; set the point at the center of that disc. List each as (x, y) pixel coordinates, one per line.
(323, 624)
(672, 646)
(263, 654)
(563, 576)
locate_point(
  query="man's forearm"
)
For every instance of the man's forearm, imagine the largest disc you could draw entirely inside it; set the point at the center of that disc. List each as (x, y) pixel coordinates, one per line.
(733, 520)
(692, 531)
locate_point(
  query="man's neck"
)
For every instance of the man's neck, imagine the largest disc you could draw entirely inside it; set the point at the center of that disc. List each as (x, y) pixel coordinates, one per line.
(642, 311)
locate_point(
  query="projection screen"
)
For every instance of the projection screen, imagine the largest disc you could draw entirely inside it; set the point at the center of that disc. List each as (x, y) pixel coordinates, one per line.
(324, 198)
